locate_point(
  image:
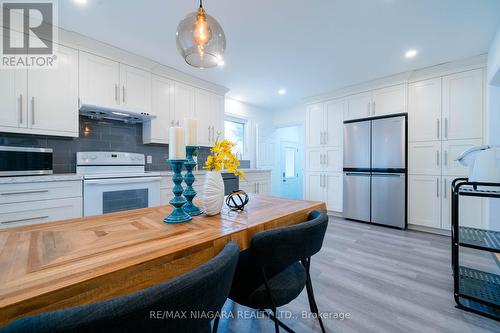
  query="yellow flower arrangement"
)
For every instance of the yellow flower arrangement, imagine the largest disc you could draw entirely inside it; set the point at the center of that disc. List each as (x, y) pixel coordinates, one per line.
(223, 158)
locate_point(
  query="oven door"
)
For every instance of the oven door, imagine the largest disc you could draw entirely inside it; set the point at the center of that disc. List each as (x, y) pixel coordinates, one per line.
(102, 196)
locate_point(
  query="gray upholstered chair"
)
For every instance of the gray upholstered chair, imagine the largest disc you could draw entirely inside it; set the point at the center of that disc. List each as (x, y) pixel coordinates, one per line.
(275, 269)
(204, 289)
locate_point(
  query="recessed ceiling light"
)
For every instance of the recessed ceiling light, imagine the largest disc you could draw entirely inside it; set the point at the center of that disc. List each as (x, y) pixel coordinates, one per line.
(81, 2)
(411, 53)
(282, 91)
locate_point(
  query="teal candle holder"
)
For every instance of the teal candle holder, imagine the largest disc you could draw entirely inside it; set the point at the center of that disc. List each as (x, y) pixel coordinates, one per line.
(178, 215)
(189, 192)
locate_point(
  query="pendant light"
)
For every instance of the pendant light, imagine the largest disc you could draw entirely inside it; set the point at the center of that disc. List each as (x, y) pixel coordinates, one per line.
(201, 40)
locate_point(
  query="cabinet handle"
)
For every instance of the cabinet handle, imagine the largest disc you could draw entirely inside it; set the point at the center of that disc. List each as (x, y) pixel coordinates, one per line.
(27, 219)
(172, 123)
(123, 94)
(368, 108)
(446, 127)
(373, 108)
(446, 158)
(437, 157)
(24, 192)
(437, 187)
(20, 108)
(32, 110)
(177, 123)
(445, 189)
(213, 133)
(116, 92)
(437, 122)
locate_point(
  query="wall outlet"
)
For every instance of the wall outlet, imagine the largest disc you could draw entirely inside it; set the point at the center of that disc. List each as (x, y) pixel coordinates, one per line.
(149, 159)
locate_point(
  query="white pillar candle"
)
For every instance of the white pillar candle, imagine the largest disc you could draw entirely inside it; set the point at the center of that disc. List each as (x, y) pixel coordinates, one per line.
(191, 125)
(176, 145)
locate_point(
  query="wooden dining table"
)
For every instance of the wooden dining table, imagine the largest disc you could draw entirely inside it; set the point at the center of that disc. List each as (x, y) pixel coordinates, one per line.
(67, 263)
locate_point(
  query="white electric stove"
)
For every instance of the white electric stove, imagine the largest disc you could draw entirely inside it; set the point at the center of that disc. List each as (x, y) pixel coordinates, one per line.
(116, 181)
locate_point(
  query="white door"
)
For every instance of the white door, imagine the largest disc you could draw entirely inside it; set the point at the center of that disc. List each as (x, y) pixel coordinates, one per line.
(290, 184)
(315, 159)
(315, 125)
(135, 88)
(424, 201)
(463, 105)
(53, 96)
(388, 100)
(424, 110)
(424, 158)
(204, 114)
(334, 191)
(162, 105)
(99, 80)
(334, 120)
(451, 150)
(183, 103)
(314, 187)
(471, 208)
(358, 106)
(13, 98)
(333, 160)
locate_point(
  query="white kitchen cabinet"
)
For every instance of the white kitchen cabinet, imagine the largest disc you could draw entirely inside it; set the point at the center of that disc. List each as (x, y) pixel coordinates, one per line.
(315, 159)
(315, 125)
(135, 88)
(162, 105)
(334, 191)
(463, 105)
(183, 103)
(13, 85)
(53, 96)
(389, 100)
(217, 118)
(99, 80)
(424, 110)
(314, 186)
(334, 122)
(204, 115)
(471, 208)
(451, 149)
(424, 201)
(424, 158)
(256, 183)
(358, 106)
(333, 160)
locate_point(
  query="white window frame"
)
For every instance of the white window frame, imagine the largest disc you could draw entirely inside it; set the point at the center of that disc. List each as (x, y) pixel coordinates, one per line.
(246, 133)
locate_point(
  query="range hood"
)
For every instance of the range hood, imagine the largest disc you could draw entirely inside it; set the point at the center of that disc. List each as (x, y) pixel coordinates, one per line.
(125, 115)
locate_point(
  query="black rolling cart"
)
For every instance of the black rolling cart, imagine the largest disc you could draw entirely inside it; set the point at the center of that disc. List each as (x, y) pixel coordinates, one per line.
(474, 290)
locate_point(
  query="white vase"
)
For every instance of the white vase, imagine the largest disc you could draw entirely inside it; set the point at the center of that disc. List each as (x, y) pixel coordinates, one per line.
(213, 193)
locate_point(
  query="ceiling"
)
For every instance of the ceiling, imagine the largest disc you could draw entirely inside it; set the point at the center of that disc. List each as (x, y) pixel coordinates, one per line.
(305, 47)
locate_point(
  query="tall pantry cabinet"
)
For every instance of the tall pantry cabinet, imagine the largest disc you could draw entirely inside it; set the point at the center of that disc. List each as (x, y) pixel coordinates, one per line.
(445, 118)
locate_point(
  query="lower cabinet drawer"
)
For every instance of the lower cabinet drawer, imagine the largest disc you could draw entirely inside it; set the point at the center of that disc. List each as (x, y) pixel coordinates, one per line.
(23, 192)
(18, 214)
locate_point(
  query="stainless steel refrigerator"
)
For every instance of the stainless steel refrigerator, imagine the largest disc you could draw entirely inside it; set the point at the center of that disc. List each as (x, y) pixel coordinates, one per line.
(375, 170)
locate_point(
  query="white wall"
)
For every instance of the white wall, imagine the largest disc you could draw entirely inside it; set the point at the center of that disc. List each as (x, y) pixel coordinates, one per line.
(493, 119)
(290, 117)
(258, 126)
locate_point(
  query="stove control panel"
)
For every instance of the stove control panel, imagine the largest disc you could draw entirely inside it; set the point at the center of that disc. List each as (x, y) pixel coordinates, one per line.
(109, 158)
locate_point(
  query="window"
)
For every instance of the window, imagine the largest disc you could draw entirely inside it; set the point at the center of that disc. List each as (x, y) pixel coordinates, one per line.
(234, 130)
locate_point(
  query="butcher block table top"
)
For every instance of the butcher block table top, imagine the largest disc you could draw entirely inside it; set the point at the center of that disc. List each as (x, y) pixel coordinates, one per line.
(66, 263)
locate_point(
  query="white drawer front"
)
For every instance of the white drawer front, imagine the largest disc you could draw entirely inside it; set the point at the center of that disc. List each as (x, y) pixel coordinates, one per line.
(11, 193)
(18, 214)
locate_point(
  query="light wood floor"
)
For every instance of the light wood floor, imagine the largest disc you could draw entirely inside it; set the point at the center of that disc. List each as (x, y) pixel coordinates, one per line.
(388, 280)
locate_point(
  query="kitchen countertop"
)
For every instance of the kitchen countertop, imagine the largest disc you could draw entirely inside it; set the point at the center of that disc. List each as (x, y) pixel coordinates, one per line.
(40, 178)
(202, 172)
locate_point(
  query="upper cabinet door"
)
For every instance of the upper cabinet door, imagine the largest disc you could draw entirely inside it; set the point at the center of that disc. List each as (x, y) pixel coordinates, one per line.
(388, 100)
(13, 98)
(358, 106)
(218, 106)
(135, 88)
(424, 110)
(99, 80)
(184, 103)
(463, 105)
(53, 96)
(162, 105)
(334, 114)
(315, 125)
(204, 115)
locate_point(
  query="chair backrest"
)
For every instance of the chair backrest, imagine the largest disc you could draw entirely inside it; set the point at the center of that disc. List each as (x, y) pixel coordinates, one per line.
(167, 307)
(280, 247)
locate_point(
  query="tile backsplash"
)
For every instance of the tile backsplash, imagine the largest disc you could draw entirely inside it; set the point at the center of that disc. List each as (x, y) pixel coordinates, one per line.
(97, 135)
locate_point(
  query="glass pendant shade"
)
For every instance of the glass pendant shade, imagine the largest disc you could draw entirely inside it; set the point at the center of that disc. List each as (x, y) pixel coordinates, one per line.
(201, 40)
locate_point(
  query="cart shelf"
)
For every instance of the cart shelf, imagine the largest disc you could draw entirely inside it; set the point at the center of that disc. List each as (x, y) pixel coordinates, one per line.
(472, 192)
(480, 239)
(479, 286)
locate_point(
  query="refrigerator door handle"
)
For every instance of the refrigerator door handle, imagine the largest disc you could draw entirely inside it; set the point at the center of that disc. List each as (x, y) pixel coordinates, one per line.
(398, 175)
(360, 174)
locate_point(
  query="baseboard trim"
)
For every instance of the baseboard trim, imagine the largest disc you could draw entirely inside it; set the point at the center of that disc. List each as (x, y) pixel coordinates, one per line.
(429, 230)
